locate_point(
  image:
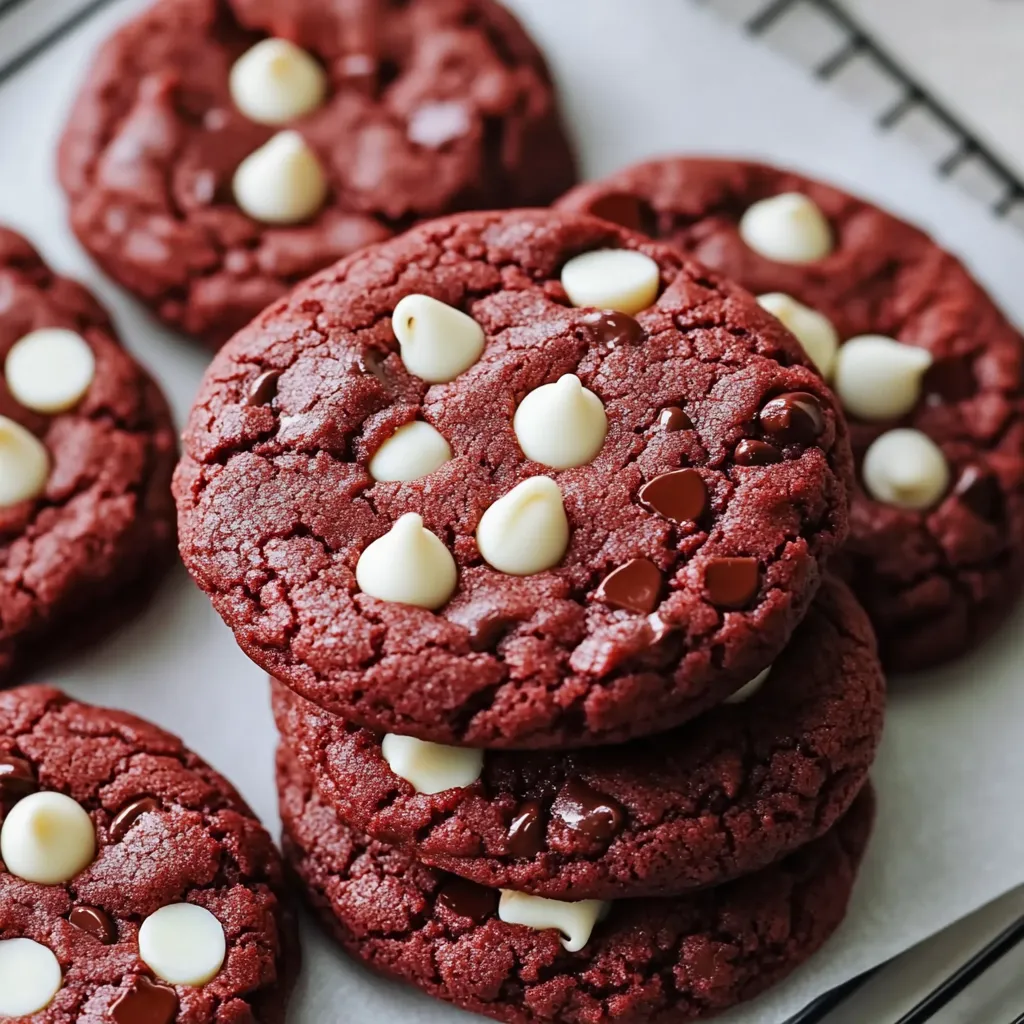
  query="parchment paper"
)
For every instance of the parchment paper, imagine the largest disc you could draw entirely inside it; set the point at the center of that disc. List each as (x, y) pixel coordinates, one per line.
(640, 77)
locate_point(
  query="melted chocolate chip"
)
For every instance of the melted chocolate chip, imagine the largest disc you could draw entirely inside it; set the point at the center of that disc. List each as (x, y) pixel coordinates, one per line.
(793, 418)
(607, 327)
(680, 496)
(673, 418)
(96, 922)
(486, 631)
(129, 814)
(468, 899)
(526, 832)
(17, 778)
(731, 582)
(949, 380)
(634, 586)
(145, 1003)
(978, 490)
(583, 809)
(621, 208)
(750, 452)
(263, 389)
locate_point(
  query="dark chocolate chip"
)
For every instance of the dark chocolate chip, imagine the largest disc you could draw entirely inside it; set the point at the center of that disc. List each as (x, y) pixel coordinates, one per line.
(731, 582)
(583, 809)
(486, 631)
(129, 814)
(949, 380)
(793, 418)
(96, 922)
(634, 586)
(607, 327)
(673, 418)
(468, 899)
(264, 388)
(145, 1002)
(17, 778)
(680, 495)
(750, 452)
(526, 832)
(978, 490)
(621, 208)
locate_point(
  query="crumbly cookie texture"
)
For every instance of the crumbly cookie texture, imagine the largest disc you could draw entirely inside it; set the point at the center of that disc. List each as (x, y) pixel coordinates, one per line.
(222, 150)
(929, 373)
(720, 797)
(87, 448)
(646, 961)
(162, 895)
(611, 599)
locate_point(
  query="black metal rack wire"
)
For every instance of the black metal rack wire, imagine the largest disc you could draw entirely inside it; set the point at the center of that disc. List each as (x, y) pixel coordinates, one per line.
(856, 43)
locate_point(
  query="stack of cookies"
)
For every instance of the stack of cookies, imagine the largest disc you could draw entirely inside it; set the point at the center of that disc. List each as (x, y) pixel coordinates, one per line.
(529, 517)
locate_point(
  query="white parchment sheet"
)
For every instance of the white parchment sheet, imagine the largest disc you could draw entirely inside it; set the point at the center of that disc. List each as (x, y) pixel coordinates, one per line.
(639, 77)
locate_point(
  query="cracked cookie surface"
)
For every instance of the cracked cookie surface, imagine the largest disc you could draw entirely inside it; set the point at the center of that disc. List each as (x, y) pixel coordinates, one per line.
(75, 557)
(720, 797)
(431, 106)
(649, 961)
(168, 830)
(276, 502)
(938, 580)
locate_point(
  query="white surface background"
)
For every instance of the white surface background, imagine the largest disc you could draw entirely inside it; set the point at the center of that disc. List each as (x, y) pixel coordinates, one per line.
(639, 77)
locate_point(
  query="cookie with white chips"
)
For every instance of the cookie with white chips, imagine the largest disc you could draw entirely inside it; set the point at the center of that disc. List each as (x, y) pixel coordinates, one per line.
(928, 371)
(476, 485)
(136, 887)
(87, 447)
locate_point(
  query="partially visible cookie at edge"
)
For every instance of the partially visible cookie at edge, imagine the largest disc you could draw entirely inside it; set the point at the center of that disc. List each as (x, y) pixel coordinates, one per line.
(135, 884)
(356, 497)
(933, 386)
(222, 150)
(87, 447)
(529, 960)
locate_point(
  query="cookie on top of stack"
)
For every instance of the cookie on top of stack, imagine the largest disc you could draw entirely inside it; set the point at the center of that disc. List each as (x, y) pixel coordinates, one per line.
(575, 726)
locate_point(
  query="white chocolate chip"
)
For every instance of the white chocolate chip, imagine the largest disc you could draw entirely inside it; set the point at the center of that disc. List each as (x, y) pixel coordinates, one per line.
(562, 424)
(747, 690)
(430, 767)
(438, 341)
(907, 469)
(787, 228)
(282, 182)
(877, 378)
(49, 370)
(24, 464)
(526, 531)
(276, 81)
(29, 977)
(812, 329)
(574, 920)
(408, 565)
(47, 838)
(410, 452)
(619, 279)
(182, 944)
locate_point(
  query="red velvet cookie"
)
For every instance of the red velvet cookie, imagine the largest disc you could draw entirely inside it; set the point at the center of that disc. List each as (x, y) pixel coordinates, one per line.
(86, 453)
(646, 961)
(222, 150)
(929, 373)
(136, 887)
(723, 796)
(362, 512)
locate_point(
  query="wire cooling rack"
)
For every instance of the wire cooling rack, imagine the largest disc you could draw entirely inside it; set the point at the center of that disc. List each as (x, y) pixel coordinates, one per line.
(823, 37)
